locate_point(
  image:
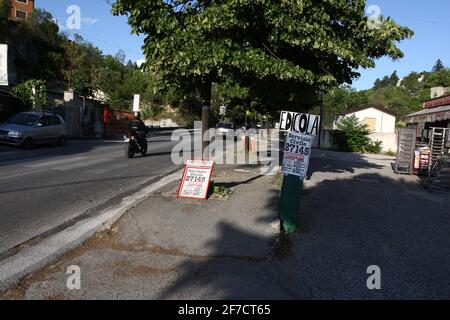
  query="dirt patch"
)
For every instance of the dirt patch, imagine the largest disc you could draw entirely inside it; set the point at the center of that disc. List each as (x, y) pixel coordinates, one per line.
(57, 297)
(126, 269)
(18, 291)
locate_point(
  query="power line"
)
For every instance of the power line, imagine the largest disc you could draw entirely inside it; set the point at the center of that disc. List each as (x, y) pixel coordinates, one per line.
(74, 32)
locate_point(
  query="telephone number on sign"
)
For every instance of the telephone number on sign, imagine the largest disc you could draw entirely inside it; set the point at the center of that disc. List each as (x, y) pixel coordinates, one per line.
(294, 148)
(195, 179)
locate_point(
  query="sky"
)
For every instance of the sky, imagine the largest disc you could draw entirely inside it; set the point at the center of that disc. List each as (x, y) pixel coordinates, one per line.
(98, 25)
(428, 19)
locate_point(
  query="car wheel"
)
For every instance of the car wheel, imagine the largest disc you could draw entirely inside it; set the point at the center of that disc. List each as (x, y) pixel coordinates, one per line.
(62, 141)
(28, 144)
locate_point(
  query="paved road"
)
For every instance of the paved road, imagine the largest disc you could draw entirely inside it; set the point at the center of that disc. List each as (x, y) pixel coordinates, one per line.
(44, 188)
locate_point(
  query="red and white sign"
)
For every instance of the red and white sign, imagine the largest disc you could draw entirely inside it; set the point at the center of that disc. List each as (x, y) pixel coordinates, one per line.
(297, 152)
(196, 179)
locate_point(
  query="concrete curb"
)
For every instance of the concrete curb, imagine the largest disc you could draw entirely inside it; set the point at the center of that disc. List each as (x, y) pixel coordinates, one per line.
(33, 258)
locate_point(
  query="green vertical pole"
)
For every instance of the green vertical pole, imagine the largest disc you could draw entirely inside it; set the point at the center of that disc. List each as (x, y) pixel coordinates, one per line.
(290, 203)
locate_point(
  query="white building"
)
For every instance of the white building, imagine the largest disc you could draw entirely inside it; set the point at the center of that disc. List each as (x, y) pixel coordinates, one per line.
(381, 121)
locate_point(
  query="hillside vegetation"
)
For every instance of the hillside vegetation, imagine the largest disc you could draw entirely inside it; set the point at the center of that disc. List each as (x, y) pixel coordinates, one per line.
(402, 96)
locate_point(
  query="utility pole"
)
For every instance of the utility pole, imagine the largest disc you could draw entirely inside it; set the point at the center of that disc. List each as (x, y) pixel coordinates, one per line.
(320, 127)
(71, 64)
(206, 106)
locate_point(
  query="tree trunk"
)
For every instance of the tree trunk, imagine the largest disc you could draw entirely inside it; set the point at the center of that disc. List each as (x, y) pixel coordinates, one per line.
(206, 101)
(320, 127)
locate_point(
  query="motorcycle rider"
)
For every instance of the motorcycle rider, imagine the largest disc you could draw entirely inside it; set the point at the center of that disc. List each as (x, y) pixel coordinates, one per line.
(138, 126)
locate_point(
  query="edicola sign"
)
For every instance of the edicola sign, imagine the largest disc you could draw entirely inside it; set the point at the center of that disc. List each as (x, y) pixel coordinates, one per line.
(297, 151)
(196, 179)
(299, 122)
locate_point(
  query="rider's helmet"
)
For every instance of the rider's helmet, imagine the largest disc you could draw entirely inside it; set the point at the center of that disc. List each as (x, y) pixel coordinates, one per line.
(137, 115)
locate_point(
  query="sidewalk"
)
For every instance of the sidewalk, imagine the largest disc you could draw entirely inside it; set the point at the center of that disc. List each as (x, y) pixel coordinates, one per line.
(165, 243)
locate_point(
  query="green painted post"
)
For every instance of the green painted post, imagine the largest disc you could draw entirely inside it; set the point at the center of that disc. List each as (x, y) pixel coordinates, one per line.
(290, 203)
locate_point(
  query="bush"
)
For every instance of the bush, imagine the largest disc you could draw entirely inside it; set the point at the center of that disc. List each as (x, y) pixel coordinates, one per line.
(374, 147)
(354, 136)
(390, 153)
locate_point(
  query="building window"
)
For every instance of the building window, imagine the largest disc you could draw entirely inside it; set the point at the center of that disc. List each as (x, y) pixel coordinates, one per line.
(371, 123)
(20, 14)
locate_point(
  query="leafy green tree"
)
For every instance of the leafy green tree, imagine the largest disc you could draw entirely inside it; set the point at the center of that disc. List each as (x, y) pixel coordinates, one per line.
(439, 79)
(110, 79)
(387, 81)
(438, 66)
(377, 83)
(394, 79)
(121, 81)
(82, 61)
(30, 91)
(338, 101)
(283, 52)
(5, 9)
(412, 84)
(354, 136)
(36, 46)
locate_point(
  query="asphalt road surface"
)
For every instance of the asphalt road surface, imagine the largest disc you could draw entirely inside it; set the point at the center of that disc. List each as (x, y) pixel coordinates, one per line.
(44, 189)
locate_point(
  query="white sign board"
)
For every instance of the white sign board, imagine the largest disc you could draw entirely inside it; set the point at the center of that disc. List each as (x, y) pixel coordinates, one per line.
(300, 122)
(196, 179)
(297, 151)
(136, 102)
(222, 110)
(3, 65)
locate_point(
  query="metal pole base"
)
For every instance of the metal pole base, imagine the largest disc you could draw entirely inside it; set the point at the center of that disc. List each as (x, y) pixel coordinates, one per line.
(290, 203)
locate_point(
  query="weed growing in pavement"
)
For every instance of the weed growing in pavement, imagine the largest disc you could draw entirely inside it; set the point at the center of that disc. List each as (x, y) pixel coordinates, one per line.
(220, 192)
(278, 179)
(282, 246)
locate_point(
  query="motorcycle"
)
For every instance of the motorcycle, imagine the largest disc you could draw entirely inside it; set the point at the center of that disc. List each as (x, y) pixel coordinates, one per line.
(133, 145)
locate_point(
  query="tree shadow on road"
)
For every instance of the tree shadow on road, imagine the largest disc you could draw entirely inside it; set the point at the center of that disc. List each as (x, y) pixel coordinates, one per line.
(337, 162)
(47, 152)
(352, 223)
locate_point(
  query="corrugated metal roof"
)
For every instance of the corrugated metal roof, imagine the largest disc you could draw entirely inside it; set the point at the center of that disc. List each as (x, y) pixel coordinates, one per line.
(429, 115)
(429, 111)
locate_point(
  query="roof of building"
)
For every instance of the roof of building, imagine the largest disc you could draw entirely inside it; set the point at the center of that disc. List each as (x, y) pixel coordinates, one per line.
(437, 102)
(429, 115)
(382, 109)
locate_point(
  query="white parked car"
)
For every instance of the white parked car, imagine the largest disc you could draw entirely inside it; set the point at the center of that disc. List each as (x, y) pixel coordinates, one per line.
(29, 128)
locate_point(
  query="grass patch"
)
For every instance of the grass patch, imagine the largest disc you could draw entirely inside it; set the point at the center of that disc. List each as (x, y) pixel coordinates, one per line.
(390, 153)
(278, 179)
(220, 192)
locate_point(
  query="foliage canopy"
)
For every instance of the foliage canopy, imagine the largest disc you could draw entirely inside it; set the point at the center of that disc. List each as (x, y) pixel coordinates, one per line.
(283, 52)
